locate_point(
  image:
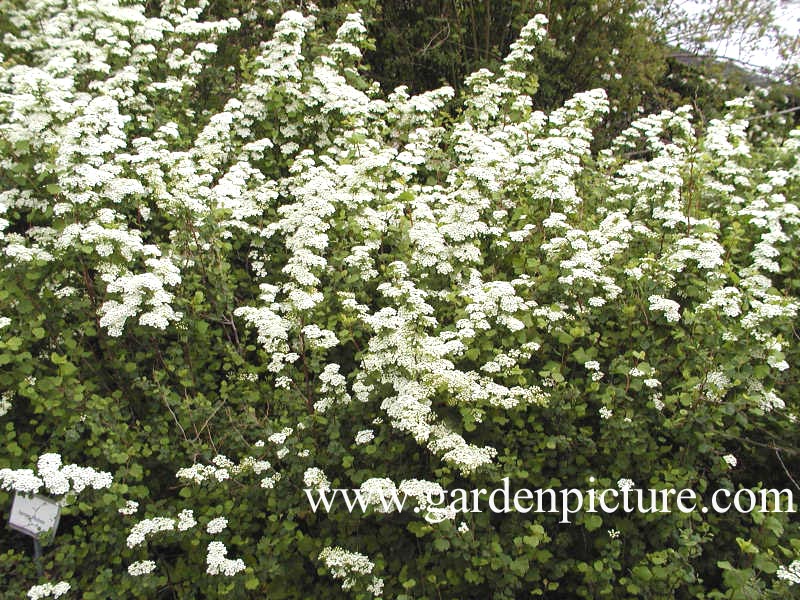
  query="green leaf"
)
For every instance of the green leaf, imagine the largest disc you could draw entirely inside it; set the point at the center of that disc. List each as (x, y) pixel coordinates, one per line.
(592, 522)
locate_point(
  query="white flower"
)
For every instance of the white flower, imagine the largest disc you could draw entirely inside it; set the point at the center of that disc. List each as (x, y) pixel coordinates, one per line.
(364, 436)
(57, 479)
(20, 480)
(376, 491)
(658, 404)
(270, 480)
(141, 567)
(48, 463)
(219, 564)
(197, 473)
(670, 308)
(259, 466)
(605, 412)
(319, 338)
(596, 301)
(217, 525)
(280, 437)
(221, 461)
(186, 519)
(790, 573)
(46, 590)
(345, 565)
(376, 587)
(148, 527)
(315, 478)
(131, 506)
(730, 459)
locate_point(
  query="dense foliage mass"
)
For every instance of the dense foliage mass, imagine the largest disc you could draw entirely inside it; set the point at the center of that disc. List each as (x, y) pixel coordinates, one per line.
(318, 284)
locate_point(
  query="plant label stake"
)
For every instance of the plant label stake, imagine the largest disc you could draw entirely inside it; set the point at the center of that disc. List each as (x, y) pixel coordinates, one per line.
(37, 516)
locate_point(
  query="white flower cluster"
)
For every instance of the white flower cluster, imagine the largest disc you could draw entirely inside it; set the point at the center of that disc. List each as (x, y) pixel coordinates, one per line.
(54, 477)
(222, 469)
(5, 403)
(365, 436)
(319, 338)
(670, 308)
(186, 520)
(85, 131)
(130, 508)
(141, 567)
(217, 525)
(790, 573)
(424, 492)
(144, 288)
(377, 491)
(315, 478)
(46, 590)
(279, 438)
(430, 368)
(272, 329)
(269, 481)
(350, 567)
(454, 449)
(219, 564)
(148, 527)
(333, 387)
(351, 35)
(199, 473)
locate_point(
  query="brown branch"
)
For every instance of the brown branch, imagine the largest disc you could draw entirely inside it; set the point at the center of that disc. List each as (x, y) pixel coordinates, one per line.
(785, 470)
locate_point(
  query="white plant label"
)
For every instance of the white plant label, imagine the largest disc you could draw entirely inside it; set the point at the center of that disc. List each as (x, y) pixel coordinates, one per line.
(34, 515)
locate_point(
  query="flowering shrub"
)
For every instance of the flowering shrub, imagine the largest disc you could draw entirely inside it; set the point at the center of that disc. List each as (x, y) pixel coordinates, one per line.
(343, 288)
